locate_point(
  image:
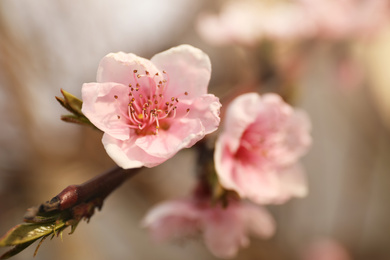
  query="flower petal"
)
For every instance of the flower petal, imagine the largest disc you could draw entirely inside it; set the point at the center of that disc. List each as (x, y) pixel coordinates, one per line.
(127, 155)
(224, 163)
(293, 182)
(240, 113)
(172, 220)
(259, 221)
(188, 68)
(224, 231)
(206, 108)
(119, 67)
(181, 134)
(102, 108)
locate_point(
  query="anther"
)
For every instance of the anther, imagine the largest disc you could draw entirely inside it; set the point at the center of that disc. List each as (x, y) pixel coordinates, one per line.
(172, 98)
(135, 71)
(138, 76)
(119, 117)
(146, 72)
(186, 93)
(116, 97)
(140, 95)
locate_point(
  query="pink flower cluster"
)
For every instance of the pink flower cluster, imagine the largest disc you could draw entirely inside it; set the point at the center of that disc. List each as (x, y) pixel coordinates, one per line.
(149, 110)
(224, 230)
(249, 21)
(256, 156)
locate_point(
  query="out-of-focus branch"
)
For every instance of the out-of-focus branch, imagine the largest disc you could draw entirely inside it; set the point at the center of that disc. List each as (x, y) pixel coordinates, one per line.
(74, 203)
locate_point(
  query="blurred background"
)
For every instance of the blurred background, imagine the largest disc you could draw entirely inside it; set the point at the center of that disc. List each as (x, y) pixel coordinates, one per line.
(337, 69)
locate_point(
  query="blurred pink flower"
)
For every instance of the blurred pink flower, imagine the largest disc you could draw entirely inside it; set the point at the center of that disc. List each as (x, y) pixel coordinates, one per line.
(224, 230)
(149, 110)
(349, 18)
(257, 153)
(247, 22)
(325, 249)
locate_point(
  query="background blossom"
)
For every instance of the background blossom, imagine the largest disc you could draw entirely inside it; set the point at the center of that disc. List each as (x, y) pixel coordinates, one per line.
(257, 154)
(224, 230)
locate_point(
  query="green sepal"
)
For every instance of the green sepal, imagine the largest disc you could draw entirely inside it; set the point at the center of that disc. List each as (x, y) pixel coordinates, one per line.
(28, 232)
(71, 103)
(82, 120)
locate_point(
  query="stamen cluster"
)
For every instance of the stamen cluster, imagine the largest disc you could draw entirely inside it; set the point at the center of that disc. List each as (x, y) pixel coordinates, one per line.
(149, 109)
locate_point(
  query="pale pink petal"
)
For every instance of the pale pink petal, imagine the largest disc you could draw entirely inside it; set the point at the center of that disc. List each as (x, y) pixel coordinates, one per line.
(224, 163)
(119, 67)
(102, 108)
(127, 155)
(188, 68)
(181, 134)
(240, 113)
(172, 220)
(293, 182)
(259, 186)
(259, 221)
(224, 231)
(206, 108)
(297, 140)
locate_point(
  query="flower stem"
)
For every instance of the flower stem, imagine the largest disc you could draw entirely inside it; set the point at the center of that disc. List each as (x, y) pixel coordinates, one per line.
(98, 187)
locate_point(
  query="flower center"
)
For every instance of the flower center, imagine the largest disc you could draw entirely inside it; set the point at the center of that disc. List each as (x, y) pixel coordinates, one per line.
(149, 109)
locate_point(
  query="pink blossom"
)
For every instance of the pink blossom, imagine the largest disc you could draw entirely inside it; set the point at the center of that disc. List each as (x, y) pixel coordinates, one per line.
(340, 19)
(257, 153)
(224, 230)
(249, 21)
(150, 109)
(326, 249)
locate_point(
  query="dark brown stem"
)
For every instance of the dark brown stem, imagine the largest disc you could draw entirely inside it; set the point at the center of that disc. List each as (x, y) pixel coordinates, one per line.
(98, 187)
